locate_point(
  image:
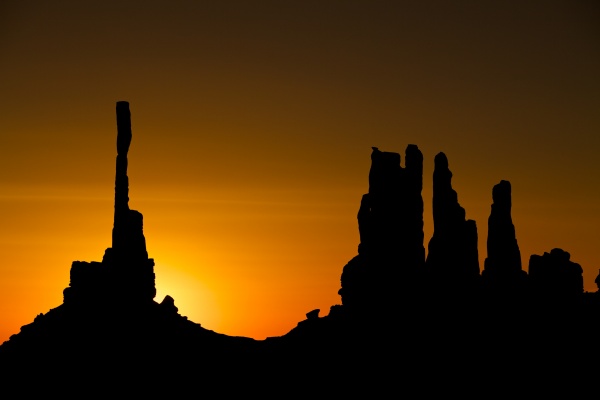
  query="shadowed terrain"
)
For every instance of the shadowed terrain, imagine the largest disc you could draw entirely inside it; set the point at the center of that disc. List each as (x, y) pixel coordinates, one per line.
(407, 321)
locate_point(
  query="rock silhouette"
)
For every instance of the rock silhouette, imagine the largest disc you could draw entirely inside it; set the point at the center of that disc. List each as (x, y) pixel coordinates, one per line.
(109, 316)
(406, 322)
(125, 273)
(390, 220)
(503, 275)
(555, 277)
(453, 259)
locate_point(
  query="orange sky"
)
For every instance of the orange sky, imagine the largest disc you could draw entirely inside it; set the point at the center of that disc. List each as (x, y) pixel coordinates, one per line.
(252, 131)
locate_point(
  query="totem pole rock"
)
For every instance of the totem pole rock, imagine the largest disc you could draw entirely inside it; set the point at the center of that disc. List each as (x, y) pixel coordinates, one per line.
(128, 240)
(126, 273)
(128, 253)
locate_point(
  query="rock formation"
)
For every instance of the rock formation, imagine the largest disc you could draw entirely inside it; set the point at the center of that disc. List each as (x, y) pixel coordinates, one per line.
(502, 274)
(109, 329)
(395, 209)
(109, 334)
(125, 273)
(452, 261)
(128, 242)
(391, 254)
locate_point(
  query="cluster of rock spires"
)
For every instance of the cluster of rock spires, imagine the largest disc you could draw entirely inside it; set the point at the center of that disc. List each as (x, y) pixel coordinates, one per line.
(391, 265)
(397, 302)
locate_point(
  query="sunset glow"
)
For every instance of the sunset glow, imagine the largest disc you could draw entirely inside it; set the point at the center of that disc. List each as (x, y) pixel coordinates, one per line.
(252, 133)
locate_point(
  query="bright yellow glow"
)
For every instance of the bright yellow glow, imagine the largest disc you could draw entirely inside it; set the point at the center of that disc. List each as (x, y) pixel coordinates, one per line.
(193, 297)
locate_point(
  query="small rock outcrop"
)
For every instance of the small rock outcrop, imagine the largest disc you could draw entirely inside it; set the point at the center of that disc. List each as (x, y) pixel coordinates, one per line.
(168, 304)
(555, 278)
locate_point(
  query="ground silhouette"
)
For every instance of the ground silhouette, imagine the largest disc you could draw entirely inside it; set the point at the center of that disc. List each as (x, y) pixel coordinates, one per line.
(436, 324)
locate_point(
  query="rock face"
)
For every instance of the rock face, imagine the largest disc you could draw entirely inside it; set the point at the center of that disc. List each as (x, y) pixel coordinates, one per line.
(503, 273)
(452, 261)
(390, 220)
(125, 273)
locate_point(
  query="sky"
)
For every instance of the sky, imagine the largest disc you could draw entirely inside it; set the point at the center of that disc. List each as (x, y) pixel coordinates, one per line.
(253, 123)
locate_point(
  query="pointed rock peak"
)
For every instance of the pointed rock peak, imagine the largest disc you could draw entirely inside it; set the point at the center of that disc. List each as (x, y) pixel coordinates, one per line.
(452, 260)
(441, 161)
(168, 304)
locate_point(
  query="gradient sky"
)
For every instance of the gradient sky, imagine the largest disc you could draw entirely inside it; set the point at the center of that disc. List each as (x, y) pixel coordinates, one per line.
(253, 123)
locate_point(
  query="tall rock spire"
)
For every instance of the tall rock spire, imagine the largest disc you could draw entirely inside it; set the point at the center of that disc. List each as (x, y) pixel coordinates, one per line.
(502, 248)
(452, 261)
(128, 240)
(128, 254)
(125, 273)
(119, 234)
(502, 269)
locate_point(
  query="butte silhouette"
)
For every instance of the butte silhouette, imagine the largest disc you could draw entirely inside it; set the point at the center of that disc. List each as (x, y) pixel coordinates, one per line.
(407, 320)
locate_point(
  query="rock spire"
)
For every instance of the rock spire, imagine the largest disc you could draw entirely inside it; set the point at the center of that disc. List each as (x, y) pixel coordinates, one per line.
(502, 272)
(452, 261)
(125, 273)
